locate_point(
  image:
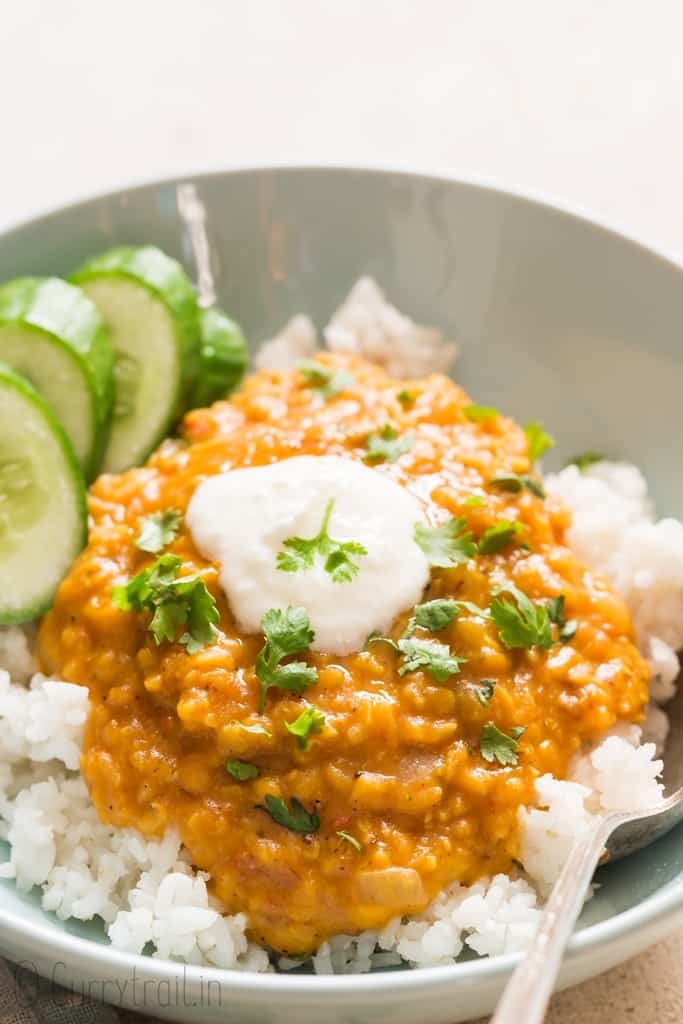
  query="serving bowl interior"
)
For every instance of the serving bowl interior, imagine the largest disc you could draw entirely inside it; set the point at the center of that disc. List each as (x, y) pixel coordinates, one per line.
(557, 318)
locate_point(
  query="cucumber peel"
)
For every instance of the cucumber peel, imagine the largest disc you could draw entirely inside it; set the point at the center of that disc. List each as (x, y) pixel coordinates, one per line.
(223, 357)
(53, 334)
(150, 308)
(43, 510)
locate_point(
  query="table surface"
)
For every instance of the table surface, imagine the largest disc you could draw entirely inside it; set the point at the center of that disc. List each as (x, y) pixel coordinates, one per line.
(579, 102)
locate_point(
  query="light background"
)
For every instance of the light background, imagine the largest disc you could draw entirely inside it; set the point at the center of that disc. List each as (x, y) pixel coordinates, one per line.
(580, 101)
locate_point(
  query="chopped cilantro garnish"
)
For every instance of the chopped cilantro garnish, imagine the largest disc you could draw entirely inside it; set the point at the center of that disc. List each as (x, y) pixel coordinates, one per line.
(434, 658)
(567, 629)
(585, 460)
(522, 624)
(242, 770)
(446, 545)
(174, 603)
(514, 483)
(286, 632)
(309, 722)
(433, 615)
(484, 691)
(498, 536)
(386, 445)
(299, 553)
(158, 530)
(256, 729)
(325, 381)
(539, 441)
(476, 413)
(296, 817)
(437, 614)
(355, 843)
(498, 746)
(474, 500)
(556, 609)
(406, 397)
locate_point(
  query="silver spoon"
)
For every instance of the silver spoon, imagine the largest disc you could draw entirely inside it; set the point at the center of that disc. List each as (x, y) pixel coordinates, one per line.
(611, 837)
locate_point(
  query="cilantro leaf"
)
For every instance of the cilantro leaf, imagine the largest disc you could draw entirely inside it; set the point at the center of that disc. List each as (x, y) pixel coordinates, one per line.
(386, 445)
(434, 658)
(286, 632)
(555, 608)
(446, 545)
(539, 441)
(585, 460)
(309, 722)
(498, 536)
(298, 554)
(375, 638)
(325, 381)
(201, 615)
(484, 691)
(242, 770)
(406, 397)
(158, 530)
(168, 616)
(522, 623)
(566, 629)
(294, 676)
(514, 483)
(355, 843)
(476, 413)
(433, 615)
(137, 594)
(256, 729)
(496, 745)
(339, 563)
(174, 603)
(296, 818)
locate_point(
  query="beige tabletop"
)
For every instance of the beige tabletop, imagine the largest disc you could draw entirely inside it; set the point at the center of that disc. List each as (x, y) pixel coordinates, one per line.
(579, 101)
(645, 990)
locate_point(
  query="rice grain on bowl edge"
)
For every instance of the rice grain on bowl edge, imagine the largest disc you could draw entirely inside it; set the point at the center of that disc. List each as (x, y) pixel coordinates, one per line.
(147, 893)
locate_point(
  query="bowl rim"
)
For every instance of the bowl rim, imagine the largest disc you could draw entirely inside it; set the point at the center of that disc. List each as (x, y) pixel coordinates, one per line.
(659, 907)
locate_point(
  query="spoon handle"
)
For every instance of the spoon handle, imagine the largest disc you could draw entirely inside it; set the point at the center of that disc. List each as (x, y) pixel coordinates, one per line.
(529, 989)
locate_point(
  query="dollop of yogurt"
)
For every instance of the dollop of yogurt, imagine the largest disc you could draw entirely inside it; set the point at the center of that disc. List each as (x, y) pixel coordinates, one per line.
(242, 518)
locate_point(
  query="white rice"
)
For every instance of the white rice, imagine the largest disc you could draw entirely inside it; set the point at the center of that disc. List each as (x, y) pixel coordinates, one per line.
(366, 325)
(147, 893)
(297, 340)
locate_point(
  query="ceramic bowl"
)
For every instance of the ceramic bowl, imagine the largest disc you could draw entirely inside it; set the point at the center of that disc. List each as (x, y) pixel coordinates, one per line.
(559, 319)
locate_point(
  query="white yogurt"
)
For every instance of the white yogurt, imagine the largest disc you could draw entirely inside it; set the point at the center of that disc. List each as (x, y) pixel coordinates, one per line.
(240, 519)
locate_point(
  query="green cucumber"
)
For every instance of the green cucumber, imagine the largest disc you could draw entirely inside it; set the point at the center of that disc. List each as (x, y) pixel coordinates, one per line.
(223, 357)
(151, 310)
(43, 511)
(53, 334)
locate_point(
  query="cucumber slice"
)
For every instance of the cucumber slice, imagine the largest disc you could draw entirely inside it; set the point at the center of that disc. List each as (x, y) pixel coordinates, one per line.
(223, 357)
(151, 310)
(43, 512)
(53, 334)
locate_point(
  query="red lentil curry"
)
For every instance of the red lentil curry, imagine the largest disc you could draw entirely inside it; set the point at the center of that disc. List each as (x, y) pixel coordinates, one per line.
(412, 782)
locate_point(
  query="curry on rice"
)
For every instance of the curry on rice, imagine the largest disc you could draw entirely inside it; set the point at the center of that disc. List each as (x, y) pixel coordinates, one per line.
(408, 777)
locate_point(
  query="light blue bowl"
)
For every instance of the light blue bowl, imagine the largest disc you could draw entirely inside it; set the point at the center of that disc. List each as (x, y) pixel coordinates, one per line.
(558, 319)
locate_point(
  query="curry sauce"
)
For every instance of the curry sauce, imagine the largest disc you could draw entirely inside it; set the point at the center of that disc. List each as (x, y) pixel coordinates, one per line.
(398, 766)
